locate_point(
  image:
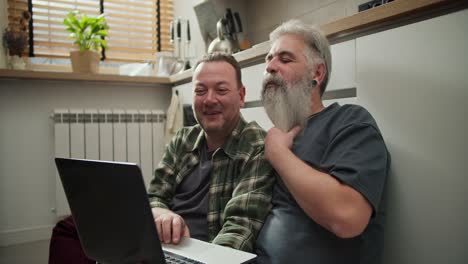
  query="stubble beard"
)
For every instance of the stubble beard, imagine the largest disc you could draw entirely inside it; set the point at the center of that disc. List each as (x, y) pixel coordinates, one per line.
(287, 105)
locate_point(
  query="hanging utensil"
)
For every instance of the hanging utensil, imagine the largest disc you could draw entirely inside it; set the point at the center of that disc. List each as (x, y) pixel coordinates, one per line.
(243, 42)
(171, 28)
(230, 24)
(223, 42)
(187, 48)
(179, 64)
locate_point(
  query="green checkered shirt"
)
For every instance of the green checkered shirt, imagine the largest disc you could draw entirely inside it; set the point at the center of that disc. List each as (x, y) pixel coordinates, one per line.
(239, 196)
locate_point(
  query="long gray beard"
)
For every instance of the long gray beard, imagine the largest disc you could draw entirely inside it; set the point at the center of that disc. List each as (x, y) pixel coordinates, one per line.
(287, 107)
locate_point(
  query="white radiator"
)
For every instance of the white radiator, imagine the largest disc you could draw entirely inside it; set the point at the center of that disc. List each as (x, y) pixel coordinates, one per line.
(135, 136)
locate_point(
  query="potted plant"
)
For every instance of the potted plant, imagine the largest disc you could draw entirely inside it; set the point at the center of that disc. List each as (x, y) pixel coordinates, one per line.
(15, 40)
(88, 34)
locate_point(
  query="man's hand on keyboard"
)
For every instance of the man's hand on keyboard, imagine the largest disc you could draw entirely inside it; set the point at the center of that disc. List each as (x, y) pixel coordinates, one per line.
(171, 226)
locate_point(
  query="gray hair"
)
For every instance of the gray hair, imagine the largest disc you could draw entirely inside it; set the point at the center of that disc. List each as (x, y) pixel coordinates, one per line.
(316, 41)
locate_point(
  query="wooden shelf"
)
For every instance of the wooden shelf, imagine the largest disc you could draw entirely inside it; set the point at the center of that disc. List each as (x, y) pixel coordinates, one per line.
(395, 13)
(71, 76)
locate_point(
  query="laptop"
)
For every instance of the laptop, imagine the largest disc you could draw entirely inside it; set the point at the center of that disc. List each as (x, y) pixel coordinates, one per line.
(110, 206)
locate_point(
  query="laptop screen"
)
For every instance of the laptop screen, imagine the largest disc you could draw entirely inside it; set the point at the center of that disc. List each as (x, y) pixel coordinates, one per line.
(109, 204)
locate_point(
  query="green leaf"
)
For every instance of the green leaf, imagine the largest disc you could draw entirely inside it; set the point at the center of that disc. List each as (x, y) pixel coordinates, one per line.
(87, 32)
(66, 22)
(102, 33)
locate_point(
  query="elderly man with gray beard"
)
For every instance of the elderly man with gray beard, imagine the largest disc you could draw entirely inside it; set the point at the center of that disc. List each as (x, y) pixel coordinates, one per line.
(331, 162)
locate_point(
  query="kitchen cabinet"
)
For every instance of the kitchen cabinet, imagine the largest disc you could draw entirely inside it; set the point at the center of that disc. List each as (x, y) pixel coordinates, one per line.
(185, 92)
(343, 74)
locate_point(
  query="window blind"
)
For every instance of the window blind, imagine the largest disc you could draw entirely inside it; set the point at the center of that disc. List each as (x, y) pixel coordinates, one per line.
(132, 30)
(134, 35)
(166, 8)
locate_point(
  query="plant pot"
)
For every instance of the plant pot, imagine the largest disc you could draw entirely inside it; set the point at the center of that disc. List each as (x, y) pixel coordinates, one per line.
(85, 61)
(16, 62)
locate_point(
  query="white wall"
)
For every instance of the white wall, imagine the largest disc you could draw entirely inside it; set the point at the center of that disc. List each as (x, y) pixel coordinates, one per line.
(414, 80)
(27, 171)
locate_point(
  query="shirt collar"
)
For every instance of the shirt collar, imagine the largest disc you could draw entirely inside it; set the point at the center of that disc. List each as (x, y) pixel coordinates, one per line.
(323, 112)
(230, 146)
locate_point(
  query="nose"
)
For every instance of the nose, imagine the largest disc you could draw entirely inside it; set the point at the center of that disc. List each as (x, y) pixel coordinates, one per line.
(272, 66)
(210, 97)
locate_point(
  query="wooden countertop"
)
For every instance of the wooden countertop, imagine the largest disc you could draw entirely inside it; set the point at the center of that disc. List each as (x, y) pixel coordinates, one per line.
(393, 14)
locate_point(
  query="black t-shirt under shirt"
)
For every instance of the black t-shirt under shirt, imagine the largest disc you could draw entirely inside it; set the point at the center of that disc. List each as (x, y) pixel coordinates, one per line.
(343, 141)
(191, 197)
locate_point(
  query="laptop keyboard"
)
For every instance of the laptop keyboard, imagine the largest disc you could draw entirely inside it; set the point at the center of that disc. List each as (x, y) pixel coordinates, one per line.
(172, 258)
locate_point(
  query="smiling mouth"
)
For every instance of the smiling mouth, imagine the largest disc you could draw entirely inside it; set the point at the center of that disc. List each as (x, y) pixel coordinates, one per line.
(211, 113)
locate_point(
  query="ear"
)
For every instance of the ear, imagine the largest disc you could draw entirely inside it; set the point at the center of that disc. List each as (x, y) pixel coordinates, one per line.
(242, 96)
(319, 73)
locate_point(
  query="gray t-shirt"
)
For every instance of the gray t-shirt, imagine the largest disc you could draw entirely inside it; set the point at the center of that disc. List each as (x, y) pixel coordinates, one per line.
(343, 141)
(191, 196)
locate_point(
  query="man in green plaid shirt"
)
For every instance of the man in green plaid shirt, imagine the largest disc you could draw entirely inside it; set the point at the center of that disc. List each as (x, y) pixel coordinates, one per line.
(213, 182)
